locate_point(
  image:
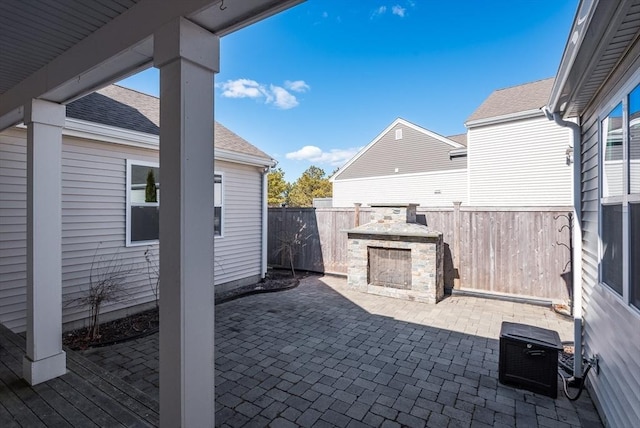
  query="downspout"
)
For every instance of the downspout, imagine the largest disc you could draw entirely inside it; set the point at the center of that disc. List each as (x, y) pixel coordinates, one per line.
(265, 221)
(576, 306)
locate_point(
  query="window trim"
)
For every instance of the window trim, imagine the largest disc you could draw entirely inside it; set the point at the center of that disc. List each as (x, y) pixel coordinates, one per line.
(624, 200)
(130, 164)
(223, 202)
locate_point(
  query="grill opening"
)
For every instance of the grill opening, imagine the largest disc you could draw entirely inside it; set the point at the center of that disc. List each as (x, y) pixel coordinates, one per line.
(389, 267)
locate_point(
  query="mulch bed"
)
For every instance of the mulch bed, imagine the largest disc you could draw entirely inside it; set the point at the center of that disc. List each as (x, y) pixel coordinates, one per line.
(148, 322)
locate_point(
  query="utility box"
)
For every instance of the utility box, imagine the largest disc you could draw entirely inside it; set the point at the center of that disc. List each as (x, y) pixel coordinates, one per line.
(529, 358)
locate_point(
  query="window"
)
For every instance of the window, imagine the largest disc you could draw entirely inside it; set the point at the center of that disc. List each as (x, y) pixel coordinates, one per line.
(143, 202)
(399, 134)
(217, 205)
(620, 199)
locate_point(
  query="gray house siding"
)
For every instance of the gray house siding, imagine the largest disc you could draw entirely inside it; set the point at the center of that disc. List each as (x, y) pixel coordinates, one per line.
(415, 152)
(94, 223)
(611, 326)
(238, 252)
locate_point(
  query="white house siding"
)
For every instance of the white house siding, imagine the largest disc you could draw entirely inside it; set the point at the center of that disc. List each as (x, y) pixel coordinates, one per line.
(238, 252)
(13, 228)
(611, 327)
(93, 222)
(519, 163)
(434, 189)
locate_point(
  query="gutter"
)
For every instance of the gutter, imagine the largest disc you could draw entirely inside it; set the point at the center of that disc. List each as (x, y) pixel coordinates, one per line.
(576, 229)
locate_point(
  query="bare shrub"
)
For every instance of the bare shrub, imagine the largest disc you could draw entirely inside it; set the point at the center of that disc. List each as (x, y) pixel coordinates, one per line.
(107, 279)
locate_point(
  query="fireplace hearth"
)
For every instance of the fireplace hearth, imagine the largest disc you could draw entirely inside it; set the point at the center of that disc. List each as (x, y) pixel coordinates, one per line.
(394, 256)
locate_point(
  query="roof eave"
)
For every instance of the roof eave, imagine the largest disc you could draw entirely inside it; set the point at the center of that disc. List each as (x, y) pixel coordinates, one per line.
(593, 29)
(243, 158)
(504, 118)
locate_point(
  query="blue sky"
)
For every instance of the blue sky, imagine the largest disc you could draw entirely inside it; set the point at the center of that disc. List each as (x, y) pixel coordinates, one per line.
(314, 84)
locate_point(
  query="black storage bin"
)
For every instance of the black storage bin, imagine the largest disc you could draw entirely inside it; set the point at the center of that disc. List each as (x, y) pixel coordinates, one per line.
(529, 358)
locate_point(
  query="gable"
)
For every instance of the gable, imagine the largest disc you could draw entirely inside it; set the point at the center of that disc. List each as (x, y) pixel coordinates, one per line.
(417, 151)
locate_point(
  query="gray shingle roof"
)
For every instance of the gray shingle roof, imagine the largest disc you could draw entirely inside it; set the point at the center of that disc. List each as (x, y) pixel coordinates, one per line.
(515, 99)
(459, 138)
(125, 108)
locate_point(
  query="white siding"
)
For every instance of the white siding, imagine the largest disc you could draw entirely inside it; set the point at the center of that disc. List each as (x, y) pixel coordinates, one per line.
(519, 163)
(611, 326)
(434, 189)
(93, 217)
(93, 208)
(238, 252)
(13, 228)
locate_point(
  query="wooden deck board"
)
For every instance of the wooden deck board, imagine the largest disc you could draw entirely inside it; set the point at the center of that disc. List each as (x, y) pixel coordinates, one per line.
(84, 397)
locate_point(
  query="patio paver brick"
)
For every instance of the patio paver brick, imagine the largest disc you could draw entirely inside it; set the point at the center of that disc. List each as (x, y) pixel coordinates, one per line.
(323, 355)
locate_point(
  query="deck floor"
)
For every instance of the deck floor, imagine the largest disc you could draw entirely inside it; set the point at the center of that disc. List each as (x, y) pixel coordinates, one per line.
(87, 396)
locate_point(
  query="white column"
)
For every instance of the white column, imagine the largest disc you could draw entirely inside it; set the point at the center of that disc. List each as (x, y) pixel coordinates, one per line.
(44, 359)
(188, 57)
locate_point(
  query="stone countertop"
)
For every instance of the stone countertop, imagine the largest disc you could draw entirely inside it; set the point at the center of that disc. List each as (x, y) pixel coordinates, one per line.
(394, 229)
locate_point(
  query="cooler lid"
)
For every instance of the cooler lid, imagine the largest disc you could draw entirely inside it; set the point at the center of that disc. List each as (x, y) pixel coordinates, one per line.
(531, 334)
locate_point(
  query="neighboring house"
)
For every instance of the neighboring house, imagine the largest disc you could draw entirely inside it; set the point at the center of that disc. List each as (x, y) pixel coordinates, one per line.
(110, 143)
(598, 87)
(515, 156)
(405, 163)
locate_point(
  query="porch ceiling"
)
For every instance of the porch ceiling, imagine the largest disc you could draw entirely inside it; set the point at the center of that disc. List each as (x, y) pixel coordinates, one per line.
(61, 50)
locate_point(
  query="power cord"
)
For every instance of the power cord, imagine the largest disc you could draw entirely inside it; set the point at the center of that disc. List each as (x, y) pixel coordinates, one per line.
(572, 379)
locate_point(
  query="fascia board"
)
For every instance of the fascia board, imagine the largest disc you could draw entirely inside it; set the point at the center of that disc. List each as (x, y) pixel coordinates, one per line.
(243, 158)
(528, 114)
(111, 134)
(413, 174)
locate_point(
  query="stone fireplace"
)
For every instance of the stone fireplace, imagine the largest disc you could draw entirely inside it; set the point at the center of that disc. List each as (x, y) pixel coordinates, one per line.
(394, 256)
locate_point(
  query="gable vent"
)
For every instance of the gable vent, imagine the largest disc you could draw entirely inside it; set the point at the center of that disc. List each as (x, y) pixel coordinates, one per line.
(399, 134)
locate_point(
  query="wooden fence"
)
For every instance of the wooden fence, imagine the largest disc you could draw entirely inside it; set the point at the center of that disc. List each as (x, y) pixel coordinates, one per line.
(514, 251)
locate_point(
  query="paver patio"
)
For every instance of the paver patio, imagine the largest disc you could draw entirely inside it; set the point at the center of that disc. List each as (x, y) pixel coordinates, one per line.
(322, 355)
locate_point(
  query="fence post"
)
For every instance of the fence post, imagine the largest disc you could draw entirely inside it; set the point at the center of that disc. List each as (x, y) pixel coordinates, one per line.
(357, 214)
(283, 213)
(456, 244)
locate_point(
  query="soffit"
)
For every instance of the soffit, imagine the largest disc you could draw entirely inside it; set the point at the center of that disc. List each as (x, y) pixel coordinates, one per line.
(614, 28)
(64, 49)
(34, 32)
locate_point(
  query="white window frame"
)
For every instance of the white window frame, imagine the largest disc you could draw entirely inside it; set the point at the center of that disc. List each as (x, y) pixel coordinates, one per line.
(130, 164)
(222, 206)
(622, 97)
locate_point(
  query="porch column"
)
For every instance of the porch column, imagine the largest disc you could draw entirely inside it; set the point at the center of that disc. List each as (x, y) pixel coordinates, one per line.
(45, 358)
(188, 57)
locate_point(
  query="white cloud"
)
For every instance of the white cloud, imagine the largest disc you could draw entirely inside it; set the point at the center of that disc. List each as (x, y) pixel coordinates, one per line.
(282, 98)
(242, 88)
(314, 154)
(271, 94)
(297, 85)
(379, 11)
(398, 10)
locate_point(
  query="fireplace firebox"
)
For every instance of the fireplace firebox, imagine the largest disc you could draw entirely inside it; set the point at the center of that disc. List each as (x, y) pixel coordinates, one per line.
(394, 256)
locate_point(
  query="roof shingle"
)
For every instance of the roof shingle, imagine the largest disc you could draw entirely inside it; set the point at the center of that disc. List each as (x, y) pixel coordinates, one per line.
(125, 108)
(515, 99)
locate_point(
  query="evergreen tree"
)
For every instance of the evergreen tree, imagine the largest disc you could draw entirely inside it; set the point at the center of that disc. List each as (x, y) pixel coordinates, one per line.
(278, 188)
(311, 184)
(150, 191)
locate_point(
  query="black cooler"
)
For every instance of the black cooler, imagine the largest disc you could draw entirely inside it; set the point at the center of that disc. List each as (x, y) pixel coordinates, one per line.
(529, 358)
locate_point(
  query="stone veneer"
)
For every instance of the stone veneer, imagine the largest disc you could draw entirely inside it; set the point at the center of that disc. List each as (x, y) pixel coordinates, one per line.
(394, 226)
